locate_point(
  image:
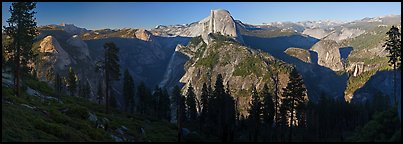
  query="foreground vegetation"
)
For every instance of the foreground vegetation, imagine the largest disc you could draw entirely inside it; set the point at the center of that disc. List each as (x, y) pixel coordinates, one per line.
(32, 118)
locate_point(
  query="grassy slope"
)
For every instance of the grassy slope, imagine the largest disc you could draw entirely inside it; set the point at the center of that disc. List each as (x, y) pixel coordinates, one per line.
(48, 123)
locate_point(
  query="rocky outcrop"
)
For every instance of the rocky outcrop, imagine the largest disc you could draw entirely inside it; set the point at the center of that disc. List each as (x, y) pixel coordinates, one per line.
(356, 68)
(49, 45)
(328, 54)
(219, 21)
(56, 56)
(72, 29)
(299, 53)
(240, 66)
(143, 34)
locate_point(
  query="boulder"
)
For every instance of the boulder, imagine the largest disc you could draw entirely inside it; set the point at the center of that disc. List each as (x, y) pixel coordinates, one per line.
(124, 128)
(92, 117)
(142, 131)
(102, 123)
(116, 138)
(120, 131)
(33, 92)
(7, 82)
(328, 54)
(28, 106)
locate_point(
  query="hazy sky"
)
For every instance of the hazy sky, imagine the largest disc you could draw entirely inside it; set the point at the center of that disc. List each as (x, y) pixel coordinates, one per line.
(97, 15)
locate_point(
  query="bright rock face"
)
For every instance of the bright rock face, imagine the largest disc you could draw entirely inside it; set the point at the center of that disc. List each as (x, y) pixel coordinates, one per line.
(58, 57)
(219, 21)
(328, 54)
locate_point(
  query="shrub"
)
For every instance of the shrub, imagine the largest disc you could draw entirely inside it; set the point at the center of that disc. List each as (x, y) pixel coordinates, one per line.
(248, 66)
(40, 86)
(59, 117)
(78, 112)
(208, 61)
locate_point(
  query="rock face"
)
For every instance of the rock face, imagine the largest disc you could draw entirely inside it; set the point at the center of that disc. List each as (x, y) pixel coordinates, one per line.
(57, 57)
(143, 34)
(219, 21)
(72, 29)
(60, 50)
(175, 68)
(328, 54)
(299, 53)
(344, 33)
(80, 45)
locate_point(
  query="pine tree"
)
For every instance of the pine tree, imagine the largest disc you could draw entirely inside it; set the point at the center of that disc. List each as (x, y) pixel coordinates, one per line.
(87, 90)
(283, 118)
(180, 110)
(393, 45)
(268, 106)
(217, 106)
(84, 89)
(156, 101)
(72, 80)
(128, 89)
(255, 112)
(219, 92)
(113, 102)
(111, 68)
(267, 109)
(58, 86)
(204, 102)
(80, 87)
(229, 116)
(276, 97)
(144, 97)
(22, 31)
(164, 105)
(294, 96)
(100, 94)
(191, 103)
(211, 112)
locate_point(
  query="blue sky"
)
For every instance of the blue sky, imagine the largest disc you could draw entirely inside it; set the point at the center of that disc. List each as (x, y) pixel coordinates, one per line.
(97, 15)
